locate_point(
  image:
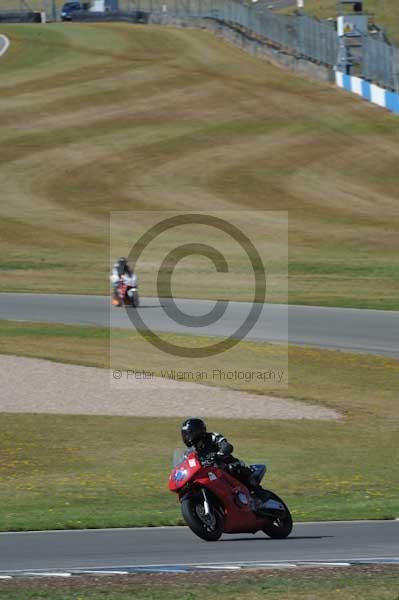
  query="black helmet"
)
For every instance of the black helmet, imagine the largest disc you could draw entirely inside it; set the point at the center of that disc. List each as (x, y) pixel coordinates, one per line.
(192, 430)
(122, 261)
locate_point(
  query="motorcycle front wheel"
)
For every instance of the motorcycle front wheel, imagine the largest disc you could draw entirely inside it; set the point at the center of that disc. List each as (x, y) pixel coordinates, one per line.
(279, 527)
(135, 300)
(132, 301)
(207, 527)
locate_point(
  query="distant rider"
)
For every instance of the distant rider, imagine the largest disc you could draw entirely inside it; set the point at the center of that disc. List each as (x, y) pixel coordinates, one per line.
(215, 449)
(119, 269)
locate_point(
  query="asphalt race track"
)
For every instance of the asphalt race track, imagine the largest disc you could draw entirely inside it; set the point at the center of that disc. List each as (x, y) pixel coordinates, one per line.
(129, 550)
(172, 547)
(359, 330)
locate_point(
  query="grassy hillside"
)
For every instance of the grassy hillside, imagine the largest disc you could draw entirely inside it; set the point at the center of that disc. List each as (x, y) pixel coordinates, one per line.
(116, 117)
(386, 12)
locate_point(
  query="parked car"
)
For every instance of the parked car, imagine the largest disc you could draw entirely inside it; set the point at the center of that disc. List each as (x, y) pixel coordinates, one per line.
(69, 8)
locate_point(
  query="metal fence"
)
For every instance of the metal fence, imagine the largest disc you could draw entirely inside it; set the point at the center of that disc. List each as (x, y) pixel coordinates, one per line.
(377, 60)
(10, 16)
(302, 35)
(380, 62)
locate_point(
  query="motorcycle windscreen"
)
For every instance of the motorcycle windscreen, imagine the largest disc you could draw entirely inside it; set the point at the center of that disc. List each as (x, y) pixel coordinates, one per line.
(180, 455)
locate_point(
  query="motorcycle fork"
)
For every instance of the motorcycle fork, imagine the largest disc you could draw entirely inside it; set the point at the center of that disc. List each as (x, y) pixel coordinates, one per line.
(206, 503)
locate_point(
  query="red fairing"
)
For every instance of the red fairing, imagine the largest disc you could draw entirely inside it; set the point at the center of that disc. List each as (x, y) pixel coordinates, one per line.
(235, 498)
(232, 495)
(122, 291)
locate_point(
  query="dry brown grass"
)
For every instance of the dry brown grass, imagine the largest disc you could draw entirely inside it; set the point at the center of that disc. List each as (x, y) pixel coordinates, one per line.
(97, 118)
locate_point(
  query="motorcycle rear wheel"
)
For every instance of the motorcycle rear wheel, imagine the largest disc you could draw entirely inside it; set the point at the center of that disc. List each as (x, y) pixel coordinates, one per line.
(278, 528)
(191, 510)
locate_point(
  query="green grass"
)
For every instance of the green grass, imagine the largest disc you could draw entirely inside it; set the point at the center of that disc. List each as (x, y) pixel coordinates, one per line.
(356, 583)
(384, 12)
(161, 119)
(78, 471)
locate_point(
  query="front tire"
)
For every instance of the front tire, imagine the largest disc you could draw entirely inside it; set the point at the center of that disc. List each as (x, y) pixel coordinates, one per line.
(135, 300)
(207, 528)
(280, 527)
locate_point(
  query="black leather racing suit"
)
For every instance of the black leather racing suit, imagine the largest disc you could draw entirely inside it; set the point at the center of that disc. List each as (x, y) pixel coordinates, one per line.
(121, 269)
(214, 448)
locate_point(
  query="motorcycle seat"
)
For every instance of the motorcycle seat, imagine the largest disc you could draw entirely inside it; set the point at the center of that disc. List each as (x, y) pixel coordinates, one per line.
(258, 472)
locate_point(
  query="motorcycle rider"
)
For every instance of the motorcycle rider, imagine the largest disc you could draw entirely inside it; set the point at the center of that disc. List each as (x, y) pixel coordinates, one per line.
(119, 269)
(214, 448)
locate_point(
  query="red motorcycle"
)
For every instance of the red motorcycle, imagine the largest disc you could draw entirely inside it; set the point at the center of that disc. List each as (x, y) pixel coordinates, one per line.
(128, 294)
(214, 502)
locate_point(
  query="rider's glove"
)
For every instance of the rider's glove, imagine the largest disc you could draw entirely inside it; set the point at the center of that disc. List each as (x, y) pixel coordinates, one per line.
(210, 458)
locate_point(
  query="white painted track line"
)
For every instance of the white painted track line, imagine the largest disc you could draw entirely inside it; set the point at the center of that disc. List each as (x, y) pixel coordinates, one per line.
(4, 44)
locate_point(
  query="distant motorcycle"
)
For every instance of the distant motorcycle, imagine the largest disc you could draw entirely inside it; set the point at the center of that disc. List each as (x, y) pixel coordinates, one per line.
(127, 292)
(214, 502)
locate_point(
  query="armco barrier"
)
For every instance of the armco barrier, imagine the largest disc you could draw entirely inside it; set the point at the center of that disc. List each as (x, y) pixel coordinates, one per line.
(18, 17)
(369, 91)
(137, 16)
(244, 40)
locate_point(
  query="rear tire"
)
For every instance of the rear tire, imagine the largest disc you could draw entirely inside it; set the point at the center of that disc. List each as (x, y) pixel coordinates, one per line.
(191, 509)
(278, 528)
